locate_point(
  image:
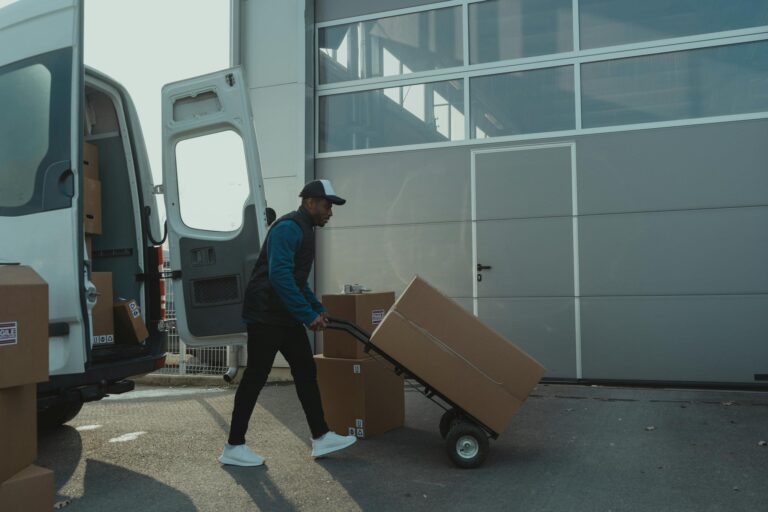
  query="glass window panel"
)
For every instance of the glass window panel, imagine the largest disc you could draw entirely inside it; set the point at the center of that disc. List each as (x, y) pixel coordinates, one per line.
(615, 22)
(25, 95)
(213, 181)
(512, 29)
(539, 100)
(395, 116)
(705, 82)
(397, 45)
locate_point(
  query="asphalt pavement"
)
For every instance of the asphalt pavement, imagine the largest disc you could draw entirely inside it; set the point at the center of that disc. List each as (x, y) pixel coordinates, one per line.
(570, 448)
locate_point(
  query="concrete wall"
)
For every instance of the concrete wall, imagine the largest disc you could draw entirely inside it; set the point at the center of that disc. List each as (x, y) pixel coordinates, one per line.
(673, 249)
(273, 41)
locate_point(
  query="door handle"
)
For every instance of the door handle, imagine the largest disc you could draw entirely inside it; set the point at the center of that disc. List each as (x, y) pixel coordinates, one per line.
(480, 267)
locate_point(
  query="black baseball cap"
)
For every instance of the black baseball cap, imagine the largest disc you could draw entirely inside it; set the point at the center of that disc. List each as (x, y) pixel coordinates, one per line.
(321, 188)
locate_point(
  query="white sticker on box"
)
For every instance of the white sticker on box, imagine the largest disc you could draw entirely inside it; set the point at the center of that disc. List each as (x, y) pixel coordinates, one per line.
(110, 338)
(360, 433)
(377, 315)
(9, 333)
(351, 431)
(135, 313)
(355, 368)
(132, 305)
(359, 423)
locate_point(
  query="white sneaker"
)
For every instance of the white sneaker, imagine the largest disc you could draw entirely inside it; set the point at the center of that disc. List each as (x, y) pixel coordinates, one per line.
(331, 442)
(240, 455)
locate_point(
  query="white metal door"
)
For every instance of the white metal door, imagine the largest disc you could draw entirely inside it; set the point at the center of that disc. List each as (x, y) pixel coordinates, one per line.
(525, 241)
(41, 85)
(215, 203)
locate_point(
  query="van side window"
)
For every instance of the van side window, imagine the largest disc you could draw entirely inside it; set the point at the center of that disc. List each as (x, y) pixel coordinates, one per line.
(24, 128)
(35, 127)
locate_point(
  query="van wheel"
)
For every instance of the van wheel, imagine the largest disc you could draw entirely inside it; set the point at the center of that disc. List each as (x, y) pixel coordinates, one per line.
(58, 414)
(467, 445)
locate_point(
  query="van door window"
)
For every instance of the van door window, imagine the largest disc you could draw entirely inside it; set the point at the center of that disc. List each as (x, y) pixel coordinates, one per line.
(213, 181)
(24, 131)
(34, 134)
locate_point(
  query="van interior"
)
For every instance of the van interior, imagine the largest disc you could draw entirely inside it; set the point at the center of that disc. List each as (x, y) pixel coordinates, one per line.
(116, 248)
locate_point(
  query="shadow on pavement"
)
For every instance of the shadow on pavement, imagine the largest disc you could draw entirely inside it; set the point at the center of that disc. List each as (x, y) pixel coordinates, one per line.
(110, 487)
(257, 483)
(59, 450)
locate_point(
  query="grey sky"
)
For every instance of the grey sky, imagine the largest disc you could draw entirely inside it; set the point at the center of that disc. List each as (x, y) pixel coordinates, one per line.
(144, 44)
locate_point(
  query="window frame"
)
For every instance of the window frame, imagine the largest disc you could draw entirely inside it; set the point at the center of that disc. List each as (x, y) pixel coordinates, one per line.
(576, 58)
(58, 153)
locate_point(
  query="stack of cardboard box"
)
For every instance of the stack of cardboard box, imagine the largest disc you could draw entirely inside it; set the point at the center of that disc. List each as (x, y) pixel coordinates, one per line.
(23, 363)
(101, 315)
(112, 321)
(361, 395)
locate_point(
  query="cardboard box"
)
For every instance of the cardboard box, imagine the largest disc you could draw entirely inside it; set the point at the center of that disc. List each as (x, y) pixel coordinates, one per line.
(23, 326)
(92, 206)
(363, 397)
(367, 310)
(18, 429)
(458, 355)
(30, 490)
(90, 161)
(103, 327)
(129, 324)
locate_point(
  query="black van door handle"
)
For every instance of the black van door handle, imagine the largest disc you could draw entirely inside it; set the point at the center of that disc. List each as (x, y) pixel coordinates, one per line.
(480, 267)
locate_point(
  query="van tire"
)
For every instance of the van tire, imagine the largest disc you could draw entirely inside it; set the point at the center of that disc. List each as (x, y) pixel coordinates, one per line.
(58, 414)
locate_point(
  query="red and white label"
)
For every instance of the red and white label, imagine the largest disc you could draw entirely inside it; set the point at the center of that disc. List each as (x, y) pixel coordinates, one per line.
(9, 333)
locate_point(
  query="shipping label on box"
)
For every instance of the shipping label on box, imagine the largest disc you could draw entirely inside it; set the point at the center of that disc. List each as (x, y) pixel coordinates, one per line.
(9, 333)
(377, 315)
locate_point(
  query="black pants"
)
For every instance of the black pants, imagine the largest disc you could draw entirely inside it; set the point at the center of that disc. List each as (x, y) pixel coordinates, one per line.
(264, 341)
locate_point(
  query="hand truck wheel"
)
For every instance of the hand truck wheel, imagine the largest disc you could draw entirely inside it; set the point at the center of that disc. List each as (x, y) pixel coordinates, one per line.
(467, 445)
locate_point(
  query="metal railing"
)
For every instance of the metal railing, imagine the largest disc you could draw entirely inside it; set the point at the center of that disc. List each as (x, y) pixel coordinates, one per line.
(181, 359)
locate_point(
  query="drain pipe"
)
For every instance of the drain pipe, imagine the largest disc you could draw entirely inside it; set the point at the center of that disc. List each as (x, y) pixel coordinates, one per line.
(233, 359)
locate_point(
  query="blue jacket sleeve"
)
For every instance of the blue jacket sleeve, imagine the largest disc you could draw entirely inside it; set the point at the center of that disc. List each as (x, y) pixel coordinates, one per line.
(312, 299)
(284, 241)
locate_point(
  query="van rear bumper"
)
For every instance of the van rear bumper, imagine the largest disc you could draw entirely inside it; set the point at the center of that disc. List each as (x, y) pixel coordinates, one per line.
(97, 381)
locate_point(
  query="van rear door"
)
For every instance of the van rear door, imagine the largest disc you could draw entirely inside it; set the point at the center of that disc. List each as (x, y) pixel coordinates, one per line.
(41, 85)
(215, 203)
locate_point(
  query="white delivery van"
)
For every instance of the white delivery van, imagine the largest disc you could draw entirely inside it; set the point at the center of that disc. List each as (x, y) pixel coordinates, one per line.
(50, 106)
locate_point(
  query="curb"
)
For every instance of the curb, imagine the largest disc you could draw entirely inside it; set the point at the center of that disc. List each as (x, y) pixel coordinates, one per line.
(276, 376)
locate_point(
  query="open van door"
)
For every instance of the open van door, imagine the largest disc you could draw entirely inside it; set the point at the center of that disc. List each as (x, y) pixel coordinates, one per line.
(215, 203)
(41, 132)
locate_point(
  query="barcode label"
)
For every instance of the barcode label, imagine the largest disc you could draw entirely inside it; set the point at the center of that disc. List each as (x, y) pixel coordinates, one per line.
(9, 333)
(377, 315)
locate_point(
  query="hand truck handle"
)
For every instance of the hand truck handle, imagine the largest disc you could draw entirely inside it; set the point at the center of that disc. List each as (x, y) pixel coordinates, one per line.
(349, 327)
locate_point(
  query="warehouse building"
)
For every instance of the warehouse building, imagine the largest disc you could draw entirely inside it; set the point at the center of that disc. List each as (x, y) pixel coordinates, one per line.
(590, 177)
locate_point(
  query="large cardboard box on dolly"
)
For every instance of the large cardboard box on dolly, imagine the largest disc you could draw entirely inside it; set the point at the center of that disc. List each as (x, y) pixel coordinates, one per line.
(18, 429)
(30, 490)
(367, 310)
(129, 324)
(103, 320)
(361, 397)
(456, 354)
(23, 326)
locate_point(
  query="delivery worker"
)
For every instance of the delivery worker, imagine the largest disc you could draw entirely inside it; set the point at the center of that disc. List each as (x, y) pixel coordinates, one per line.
(278, 305)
